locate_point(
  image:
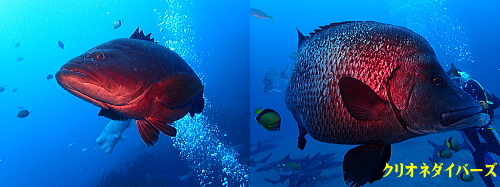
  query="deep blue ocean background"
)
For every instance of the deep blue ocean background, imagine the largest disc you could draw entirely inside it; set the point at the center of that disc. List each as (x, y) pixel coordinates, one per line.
(461, 32)
(231, 51)
(55, 145)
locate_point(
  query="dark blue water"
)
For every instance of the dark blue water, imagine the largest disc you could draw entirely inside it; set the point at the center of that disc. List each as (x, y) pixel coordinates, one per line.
(231, 51)
(461, 32)
(56, 144)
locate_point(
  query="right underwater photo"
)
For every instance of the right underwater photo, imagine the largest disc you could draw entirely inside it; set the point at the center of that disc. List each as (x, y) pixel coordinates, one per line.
(374, 93)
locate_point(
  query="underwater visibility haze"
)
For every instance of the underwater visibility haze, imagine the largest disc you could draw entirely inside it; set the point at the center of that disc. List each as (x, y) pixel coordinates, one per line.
(455, 30)
(52, 138)
(242, 56)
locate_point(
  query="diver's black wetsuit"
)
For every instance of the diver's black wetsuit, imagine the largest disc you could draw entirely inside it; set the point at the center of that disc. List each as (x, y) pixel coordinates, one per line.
(478, 149)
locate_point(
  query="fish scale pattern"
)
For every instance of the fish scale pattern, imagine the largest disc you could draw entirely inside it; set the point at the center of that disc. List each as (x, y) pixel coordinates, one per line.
(367, 51)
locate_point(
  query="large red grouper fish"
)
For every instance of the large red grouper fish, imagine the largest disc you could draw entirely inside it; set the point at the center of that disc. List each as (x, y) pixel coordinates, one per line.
(373, 84)
(135, 78)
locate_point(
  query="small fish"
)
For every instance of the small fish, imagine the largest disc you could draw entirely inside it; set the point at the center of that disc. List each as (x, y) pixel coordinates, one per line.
(289, 167)
(50, 76)
(84, 149)
(2, 89)
(20, 107)
(117, 24)
(23, 114)
(259, 14)
(61, 45)
(268, 118)
(71, 144)
(272, 79)
(445, 153)
(1, 160)
(19, 59)
(453, 144)
(17, 44)
(466, 177)
(14, 90)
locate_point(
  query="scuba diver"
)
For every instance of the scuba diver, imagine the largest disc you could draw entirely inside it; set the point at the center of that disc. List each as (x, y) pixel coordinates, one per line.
(480, 151)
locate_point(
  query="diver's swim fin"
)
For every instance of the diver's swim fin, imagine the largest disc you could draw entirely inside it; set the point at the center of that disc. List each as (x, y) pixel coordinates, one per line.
(489, 160)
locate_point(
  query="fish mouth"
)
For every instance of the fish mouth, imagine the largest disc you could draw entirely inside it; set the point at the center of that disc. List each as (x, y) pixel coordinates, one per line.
(86, 83)
(464, 118)
(78, 72)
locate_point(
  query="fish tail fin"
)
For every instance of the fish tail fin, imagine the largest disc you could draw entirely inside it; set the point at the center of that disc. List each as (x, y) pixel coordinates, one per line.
(283, 74)
(490, 160)
(198, 104)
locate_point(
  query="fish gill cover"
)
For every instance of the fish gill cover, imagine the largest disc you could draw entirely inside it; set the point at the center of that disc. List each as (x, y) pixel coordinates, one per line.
(199, 141)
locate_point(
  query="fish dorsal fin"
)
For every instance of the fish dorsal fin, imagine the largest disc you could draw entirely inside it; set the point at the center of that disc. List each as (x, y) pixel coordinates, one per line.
(322, 28)
(301, 37)
(361, 101)
(286, 158)
(140, 35)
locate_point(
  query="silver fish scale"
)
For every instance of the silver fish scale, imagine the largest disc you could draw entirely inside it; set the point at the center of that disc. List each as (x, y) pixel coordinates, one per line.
(367, 51)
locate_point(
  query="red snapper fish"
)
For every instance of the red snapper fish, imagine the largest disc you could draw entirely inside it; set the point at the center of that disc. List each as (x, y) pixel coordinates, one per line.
(135, 78)
(373, 84)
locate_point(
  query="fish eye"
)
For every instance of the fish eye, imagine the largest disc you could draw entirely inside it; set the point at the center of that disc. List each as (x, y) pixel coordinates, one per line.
(438, 80)
(100, 56)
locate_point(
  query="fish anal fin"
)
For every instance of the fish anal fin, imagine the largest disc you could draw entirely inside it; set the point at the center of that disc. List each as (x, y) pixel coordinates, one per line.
(365, 163)
(379, 172)
(111, 115)
(148, 132)
(163, 126)
(302, 140)
(177, 89)
(361, 101)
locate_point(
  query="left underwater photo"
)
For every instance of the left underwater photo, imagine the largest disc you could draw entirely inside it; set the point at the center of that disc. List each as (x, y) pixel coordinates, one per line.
(124, 93)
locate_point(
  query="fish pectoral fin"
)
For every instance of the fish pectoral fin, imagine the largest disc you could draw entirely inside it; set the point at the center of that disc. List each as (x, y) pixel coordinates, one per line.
(111, 115)
(148, 132)
(177, 89)
(365, 163)
(163, 126)
(361, 101)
